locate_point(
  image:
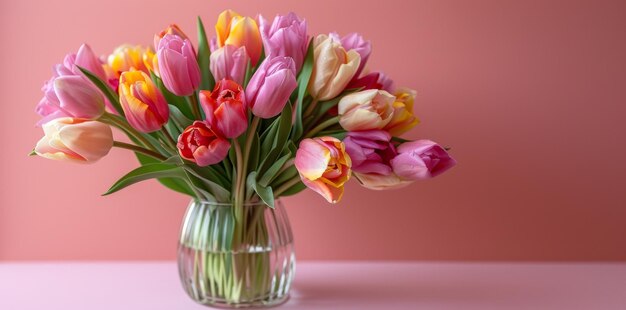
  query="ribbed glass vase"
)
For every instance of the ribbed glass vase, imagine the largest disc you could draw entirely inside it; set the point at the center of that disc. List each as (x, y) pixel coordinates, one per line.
(236, 257)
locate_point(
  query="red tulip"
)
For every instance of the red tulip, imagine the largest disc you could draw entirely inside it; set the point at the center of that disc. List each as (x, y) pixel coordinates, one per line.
(200, 144)
(225, 108)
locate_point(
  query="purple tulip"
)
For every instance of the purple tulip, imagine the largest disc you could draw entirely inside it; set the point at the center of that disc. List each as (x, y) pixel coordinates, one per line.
(177, 65)
(229, 62)
(286, 36)
(370, 151)
(421, 159)
(271, 85)
(355, 41)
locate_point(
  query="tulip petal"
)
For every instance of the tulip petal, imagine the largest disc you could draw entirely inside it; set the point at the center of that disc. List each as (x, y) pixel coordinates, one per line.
(330, 193)
(312, 159)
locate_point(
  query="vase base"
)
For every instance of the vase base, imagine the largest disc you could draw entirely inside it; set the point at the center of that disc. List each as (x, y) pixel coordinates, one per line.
(220, 304)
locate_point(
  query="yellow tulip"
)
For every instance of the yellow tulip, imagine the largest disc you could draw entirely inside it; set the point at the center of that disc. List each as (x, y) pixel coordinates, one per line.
(403, 118)
(126, 57)
(237, 30)
(333, 68)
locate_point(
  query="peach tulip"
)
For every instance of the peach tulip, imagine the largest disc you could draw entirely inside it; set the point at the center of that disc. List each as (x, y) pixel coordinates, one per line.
(143, 104)
(333, 68)
(403, 118)
(324, 166)
(366, 110)
(234, 29)
(75, 140)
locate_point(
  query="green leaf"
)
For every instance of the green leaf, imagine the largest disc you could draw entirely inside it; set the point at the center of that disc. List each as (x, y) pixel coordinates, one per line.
(272, 172)
(178, 102)
(285, 176)
(174, 184)
(105, 89)
(281, 136)
(204, 58)
(248, 74)
(298, 187)
(266, 193)
(303, 83)
(211, 179)
(254, 154)
(267, 138)
(32, 153)
(146, 172)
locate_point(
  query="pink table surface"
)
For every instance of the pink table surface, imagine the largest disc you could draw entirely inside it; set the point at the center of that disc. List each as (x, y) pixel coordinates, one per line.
(329, 285)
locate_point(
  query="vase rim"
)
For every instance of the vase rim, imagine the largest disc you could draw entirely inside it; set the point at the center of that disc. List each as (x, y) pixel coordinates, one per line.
(230, 204)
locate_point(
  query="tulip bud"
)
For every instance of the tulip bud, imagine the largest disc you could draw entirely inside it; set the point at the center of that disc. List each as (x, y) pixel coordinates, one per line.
(199, 144)
(271, 85)
(225, 109)
(421, 159)
(87, 59)
(177, 65)
(286, 36)
(172, 29)
(229, 62)
(355, 41)
(75, 140)
(365, 110)
(324, 166)
(333, 68)
(234, 29)
(403, 118)
(144, 106)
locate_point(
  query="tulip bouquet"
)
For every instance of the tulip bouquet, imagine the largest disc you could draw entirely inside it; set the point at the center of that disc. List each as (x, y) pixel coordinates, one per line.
(259, 112)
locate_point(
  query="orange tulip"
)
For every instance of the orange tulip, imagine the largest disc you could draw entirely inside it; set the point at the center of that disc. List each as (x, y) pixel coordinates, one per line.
(237, 30)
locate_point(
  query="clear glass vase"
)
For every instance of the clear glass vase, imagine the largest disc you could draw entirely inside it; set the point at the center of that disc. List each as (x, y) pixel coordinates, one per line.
(236, 256)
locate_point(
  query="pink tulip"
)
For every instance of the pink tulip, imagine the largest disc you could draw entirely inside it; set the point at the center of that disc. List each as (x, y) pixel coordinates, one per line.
(271, 85)
(324, 166)
(355, 41)
(177, 65)
(286, 36)
(370, 151)
(200, 144)
(225, 108)
(421, 159)
(75, 140)
(50, 106)
(229, 62)
(370, 81)
(71, 96)
(386, 82)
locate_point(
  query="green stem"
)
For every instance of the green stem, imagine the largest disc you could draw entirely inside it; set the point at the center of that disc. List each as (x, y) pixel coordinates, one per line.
(246, 154)
(327, 123)
(311, 107)
(193, 102)
(114, 120)
(138, 149)
(168, 137)
(287, 185)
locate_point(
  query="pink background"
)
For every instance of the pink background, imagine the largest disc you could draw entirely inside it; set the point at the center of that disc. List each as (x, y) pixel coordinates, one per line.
(530, 95)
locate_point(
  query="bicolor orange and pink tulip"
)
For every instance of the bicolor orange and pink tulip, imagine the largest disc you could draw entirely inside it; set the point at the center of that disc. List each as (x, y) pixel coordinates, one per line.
(324, 166)
(234, 29)
(144, 106)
